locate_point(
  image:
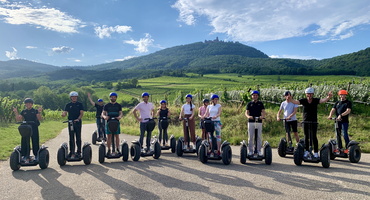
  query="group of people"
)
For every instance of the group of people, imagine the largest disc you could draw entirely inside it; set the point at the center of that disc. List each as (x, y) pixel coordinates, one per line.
(210, 109)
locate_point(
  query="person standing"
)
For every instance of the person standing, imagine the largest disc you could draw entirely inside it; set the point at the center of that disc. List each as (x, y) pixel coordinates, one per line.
(214, 111)
(75, 111)
(99, 109)
(290, 110)
(163, 113)
(201, 112)
(187, 111)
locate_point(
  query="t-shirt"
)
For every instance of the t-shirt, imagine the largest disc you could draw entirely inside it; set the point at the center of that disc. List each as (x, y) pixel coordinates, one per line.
(310, 109)
(288, 109)
(145, 110)
(73, 110)
(187, 109)
(112, 109)
(30, 115)
(202, 110)
(255, 110)
(213, 110)
(341, 107)
(99, 110)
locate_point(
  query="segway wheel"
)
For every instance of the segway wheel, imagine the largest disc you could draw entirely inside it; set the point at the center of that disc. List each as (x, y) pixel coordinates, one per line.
(226, 155)
(135, 152)
(332, 156)
(87, 155)
(324, 157)
(44, 159)
(173, 145)
(94, 137)
(101, 153)
(243, 154)
(61, 157)
(203, 154)
(354, 154)
(298, 155)
(124, 150)
(179, 151)
(157, 150)
(268, 155)
(14, 161)
(282, 147)
(197, 145)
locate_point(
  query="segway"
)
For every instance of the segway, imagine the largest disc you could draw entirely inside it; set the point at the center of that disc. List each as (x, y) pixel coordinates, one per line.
(63, 156)
(181, 148)
(113, 125)
(42, 158)
(154, 150)
(208, 151)
(164, 124)
(95, 138)
(286, 147)
(352, 151)
(267, 151)
(299, 151)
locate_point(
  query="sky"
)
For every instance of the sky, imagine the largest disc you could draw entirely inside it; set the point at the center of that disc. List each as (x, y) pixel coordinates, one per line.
(91, 32)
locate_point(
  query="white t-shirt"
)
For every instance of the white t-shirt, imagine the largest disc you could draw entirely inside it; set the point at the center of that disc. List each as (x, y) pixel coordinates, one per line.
(145, 110)
(186, 108)
(213, 110)
(288, 109)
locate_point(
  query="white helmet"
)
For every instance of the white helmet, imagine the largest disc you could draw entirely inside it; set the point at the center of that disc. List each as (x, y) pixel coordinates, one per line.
(309, 90)
(73, 94)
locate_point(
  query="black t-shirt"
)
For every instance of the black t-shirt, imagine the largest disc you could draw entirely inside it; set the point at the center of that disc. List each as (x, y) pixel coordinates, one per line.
(99, 110)
(30, 115)
(340, 107)
(112, 109)
(73, 110)
(255, 110)
(310, 109)
(163, 113)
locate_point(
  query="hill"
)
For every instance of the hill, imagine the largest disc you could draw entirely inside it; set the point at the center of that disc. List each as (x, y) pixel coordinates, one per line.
(23, 68)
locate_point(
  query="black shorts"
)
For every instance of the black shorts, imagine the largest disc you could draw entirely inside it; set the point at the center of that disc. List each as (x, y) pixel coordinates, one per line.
(291, 125)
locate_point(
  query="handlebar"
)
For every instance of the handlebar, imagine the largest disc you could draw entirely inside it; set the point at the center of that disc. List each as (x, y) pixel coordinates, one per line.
(309, 122)
(25, 122)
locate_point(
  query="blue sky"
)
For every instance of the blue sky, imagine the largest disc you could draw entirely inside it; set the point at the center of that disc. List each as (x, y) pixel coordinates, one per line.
(85, 32)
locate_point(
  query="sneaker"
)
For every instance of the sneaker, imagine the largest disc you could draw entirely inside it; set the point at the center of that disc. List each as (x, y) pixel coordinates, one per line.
(194, 147)
(260, 153)
(78, 155)
(73, 156)
(212, 155)
(345, 151)
(306, 153)
(316, 155)
(109, 152)
(250, 153)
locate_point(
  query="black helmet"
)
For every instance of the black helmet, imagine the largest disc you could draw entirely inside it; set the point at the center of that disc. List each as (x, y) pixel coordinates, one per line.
(205, 100)
(28, 100)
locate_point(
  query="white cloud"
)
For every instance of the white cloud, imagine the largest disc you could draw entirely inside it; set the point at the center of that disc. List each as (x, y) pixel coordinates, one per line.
(294, 57)
(143, 44)
(62, 49)
(77, 60)
(47, 18)
(253, 21)
(106, 31)
(12, 55)
(125, 58)
(31, 47)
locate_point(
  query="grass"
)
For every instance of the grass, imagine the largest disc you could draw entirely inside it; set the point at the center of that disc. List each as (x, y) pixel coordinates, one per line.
(11, 138)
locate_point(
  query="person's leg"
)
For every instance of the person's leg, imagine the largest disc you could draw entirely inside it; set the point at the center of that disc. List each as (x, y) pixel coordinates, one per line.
(186, 132)
(345, 133)
(109, 141)
(295, 130)
(259, 137)
(287, 129)
(315, 141)
(25, 146)
(250, 137)
(35, 140)
(192, 130)
(148, 139)
(142, 132)
(78, 137)
(218, 135)
(160, 130)
(165, 136)
(99, 125)
(306, 136)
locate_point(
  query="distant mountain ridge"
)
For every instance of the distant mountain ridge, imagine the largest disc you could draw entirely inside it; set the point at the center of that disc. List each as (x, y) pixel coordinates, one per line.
(201, 57)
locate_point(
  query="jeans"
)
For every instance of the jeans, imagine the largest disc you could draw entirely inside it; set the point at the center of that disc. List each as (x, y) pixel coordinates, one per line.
(344, 127)
(143, 128)
(101, 127)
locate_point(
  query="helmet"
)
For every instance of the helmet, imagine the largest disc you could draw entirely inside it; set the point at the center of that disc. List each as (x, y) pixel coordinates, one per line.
(100, 100)
(144, 94)
(205, 100)
(163, 101)
(189, 95)
(342, 92)
(255, 92)
(286, 93)
(309, 90)
(113, 94)
(214, 96)
(28, 100)
(73, 94)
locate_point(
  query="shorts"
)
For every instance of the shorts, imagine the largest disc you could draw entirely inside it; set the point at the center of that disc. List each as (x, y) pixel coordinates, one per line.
(291, 125)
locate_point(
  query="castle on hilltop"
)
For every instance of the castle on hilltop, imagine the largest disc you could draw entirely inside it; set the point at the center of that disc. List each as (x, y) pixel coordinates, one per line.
(217, 40)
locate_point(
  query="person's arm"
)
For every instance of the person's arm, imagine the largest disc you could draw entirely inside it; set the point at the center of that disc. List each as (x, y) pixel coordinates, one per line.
(192, 114)
(135, 114)
(206, 114)
(247, 114)
(169, 113)
(120, 115)
(347, 112)
(18, 117)
(157, 114)
(292, 114)
(324, 100)
(38, 115)
(278, 115)
(80, 117)
(263, 114)
(181, 113)
(64, 113)
(200, 116)
(296, 102)
(152, 112)
(218, 113)
(332, 111)
(91, 101)
(104, 115)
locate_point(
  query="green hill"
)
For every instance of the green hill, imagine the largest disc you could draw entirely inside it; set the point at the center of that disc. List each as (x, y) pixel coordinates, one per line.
(23, 68)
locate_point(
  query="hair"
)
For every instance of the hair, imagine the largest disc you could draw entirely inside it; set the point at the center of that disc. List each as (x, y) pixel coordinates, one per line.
(160, 106)
(191, 105)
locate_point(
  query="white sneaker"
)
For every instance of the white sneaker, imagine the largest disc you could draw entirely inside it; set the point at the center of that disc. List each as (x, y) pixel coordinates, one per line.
(260, 153)
(250, 153)
(306, 153)
(316, 155)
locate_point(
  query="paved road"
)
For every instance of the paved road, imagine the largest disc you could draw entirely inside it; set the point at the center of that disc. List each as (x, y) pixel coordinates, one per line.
(171, 177)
